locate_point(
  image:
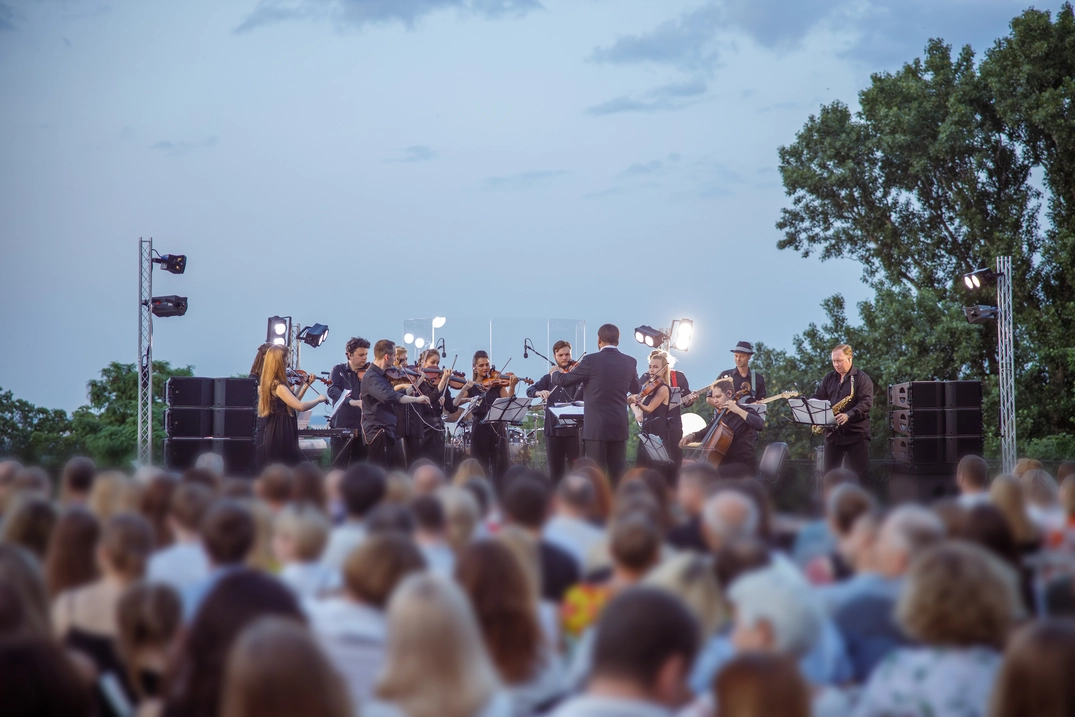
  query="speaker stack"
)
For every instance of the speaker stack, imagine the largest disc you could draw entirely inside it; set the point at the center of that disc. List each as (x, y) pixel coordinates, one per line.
(211, 415)
(936, 424)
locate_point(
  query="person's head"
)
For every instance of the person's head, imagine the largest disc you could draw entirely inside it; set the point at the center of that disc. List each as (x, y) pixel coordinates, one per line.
(602, 506)
(261, 556)
(398, 487)
(774, 612)
(481, 489)
(1067, 495)
(952, 514)
(658, 488)
(212, 463)
(300, 532)
(40, 679)
(634, 543)
(841, 359)
(697, 481)
(238, 599)
(431, 358)
(658, 366)
(1040, 488)
(844, 506)
(574, 496)
(275, 485)
(957, 595)
(907, 532)
(32, 480)
(76, 481)
(691, 578)
(436, 663)
(561, 353)
(608, 335)
(391, 518)
(273, 374)
(738, 557)
(228, 532)
(461, 516)
(1026, 464)
(1035, 676)
(258, 365)
(972, 475)
(125, 547)
(362, 488)
(30, 522)
(148, 617)
(71, 560)
(384, 353)
(1007, 494)
(526, 503)
(333, 480)
(985, 525)
(21, 573)
(8, 470)
(728, 515)
(429, 516)
(428, 477)
(113, 492)
(153, 504)
(834, 478)
(722, 392)
(1065, 469)
(308, 485)
(373, 569)
(646, 639)
(467, 469)
(187, 508)
(762, 684)
(277, 669)
(402, 358)
(357, 351)
(859, 548)
(763, 501)
(480, 365)
(499, 592)
(204, 477)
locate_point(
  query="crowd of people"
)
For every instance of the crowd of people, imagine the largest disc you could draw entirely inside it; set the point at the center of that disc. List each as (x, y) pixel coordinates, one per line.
(416, 594)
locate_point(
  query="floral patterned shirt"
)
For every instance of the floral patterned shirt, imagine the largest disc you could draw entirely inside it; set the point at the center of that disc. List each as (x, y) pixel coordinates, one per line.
(931, 682)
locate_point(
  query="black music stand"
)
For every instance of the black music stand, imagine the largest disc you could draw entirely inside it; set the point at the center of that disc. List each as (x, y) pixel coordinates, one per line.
(811, 411)
(508, 410)
(567, 415)
(654, 447)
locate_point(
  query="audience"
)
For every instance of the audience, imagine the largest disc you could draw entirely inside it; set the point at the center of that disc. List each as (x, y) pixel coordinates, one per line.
(427, 477)
(308, 486)
(431, 533)
(815, 538)
(361, 489)
(762, 684)
(39, 679)
(76, 481)
(71, 561)
(228, 537)
(154, 503)
(526, 505)
(21, 573)
(727, 516)
(149, 616)
(1007, 494)
(570, 528)
(1035, 674)
(275, 487)
(300, 532)
(462, 516)
(112, 493)
(184, 563)
(697, 481)
(30, 522)
(972, 479)
(846, 504)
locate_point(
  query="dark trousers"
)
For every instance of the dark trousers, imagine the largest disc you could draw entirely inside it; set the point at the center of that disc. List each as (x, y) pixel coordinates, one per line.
(675, 435)
(611, 456)
(408, 450)
(381, 450)
(489, 446)
(858, 456)
(346, 451)
(560, 453)
(433, 446)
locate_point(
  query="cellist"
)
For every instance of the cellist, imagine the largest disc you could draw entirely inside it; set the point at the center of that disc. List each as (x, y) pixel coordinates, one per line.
(742, 422)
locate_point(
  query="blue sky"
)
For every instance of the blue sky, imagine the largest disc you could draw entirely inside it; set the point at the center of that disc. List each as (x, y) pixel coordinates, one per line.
(361, 162)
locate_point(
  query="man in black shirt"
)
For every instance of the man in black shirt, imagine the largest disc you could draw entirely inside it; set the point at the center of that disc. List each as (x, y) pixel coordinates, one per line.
(378, 400)
(743, 423)
(851, 436)
(561, 444)
(677, 380)
(345, 378)
(742, 375)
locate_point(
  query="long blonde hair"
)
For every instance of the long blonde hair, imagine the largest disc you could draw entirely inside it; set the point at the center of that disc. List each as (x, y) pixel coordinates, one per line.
(1007, 494)
(662, 355)
(273, 373)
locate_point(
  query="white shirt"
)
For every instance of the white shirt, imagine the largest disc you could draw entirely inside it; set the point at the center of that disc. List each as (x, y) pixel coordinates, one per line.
(598, 706)
(307, 580)
(180, 565)
(969, 500)
(439, 558)
(574, 535)
(344, 538)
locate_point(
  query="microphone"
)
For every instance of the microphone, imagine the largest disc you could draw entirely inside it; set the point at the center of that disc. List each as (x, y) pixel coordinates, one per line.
(525, 346)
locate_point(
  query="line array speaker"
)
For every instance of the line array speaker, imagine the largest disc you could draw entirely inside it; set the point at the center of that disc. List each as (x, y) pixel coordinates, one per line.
(238, 453)
(935, 449)
(936, 421)
(188, 422)
(212, 392)
(935, 394)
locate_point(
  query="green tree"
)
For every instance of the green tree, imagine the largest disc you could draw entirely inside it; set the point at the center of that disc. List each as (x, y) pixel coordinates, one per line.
(35, 435)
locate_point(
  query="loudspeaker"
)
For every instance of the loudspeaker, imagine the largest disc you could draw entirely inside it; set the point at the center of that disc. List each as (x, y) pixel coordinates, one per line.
(935, 449)
(210, 422)
(963, 394)
(936, 421)
(212, 392)
(238, 453)
(916, 394)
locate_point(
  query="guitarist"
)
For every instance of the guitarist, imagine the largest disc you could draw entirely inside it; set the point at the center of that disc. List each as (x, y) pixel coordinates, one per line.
(744, 376)
(742, 422)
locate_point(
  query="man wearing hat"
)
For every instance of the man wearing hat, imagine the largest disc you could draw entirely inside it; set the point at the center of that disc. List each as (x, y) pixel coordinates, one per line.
(742, 375)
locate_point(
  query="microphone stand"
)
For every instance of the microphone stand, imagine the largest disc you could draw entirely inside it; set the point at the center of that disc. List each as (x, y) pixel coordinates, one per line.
(529, 345)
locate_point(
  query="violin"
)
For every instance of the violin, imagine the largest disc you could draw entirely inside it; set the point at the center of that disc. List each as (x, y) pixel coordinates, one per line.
(402, 374)
(499, 378)
(457, 379)
(298, 377)
(362, 371)
(649, 388)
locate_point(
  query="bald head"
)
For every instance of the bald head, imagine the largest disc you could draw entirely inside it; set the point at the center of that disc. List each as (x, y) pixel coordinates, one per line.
(729, 515)
(906, 533)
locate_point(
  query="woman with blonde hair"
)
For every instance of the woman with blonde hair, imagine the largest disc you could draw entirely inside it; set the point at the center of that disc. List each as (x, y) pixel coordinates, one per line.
(1007, 494)
(113, 492)
(690, 577)
(277, 405)
(437, 664)
(467, 469)
(651, 411)
(1043, 500)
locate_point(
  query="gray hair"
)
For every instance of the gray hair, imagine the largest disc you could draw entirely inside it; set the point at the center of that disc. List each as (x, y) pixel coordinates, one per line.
(783, 600)
(212, 462)
(730, 514)
(914, 529)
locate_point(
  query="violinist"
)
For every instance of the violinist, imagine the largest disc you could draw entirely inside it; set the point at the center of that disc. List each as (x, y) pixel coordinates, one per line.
(378, 401)
(410, 430)
(651, 408)
(435, 386)
(677, 381)
(277, 404)
(488, 441)
(744, 424)
(347, 376)
(561, 444)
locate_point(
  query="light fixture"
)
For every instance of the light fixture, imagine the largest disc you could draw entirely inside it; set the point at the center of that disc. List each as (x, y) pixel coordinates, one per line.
(419, 343)
(173, 263)
(978, 277)
(980, 314)
(439, 321)
(278, 329)
(682, 333)
(172, 305)
(649, 336)
(408, 338)
(314, 335)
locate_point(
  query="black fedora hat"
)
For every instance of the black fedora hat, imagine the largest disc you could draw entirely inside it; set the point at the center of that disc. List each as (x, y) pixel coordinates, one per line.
(743, 347)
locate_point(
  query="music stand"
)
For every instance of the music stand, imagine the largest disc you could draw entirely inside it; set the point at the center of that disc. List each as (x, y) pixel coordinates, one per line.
(811, 411)
(654, 447)
(567, 415)
(508, 410)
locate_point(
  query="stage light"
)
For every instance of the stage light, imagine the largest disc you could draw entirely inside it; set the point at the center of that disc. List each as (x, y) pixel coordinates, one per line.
(173, 263)
(649, 336)
(439, 321)
(408, 338)
(172, 305)
(278, 330)
(978, 277)
(682, 333)
(980, 314)
(419, 343)
(314, 335)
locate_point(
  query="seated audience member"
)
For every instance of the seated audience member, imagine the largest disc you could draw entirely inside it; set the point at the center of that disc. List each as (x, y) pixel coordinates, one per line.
(112, 493)
(76, 481)
(984, 525)
(1007, 494)
(763, 501)
(352, 628)
(333, 497)
(1043, 501)
(431, 534)
(149, 616)
(846, 503)
(958, 607)
(814, 538)
(29, 523)
(462, 516)
(569, 528)
(1035, 674)
(228, 538)
(21, 574)
(308, 486)
(275, 486)
(427, 477)
(211, 464)
(526, 505)
(657, 486)
(362, 489)
(32, 481)
(467, 469)
(727, 516)
(390, 518)
(697, 481)
(40, 679)
(644, 645)
(436, 664)
(398, 488)
(602, 506)
(524, 547)
(276, 668)
(195, 681)
(507, 612)
(691, 578)
(300, 532)
(71, 561)
(972, 479)
(865, 613)
(153, 503)
(8, 470)
(1026, 464)
(183, 563)
(482, 491)
(757, 684)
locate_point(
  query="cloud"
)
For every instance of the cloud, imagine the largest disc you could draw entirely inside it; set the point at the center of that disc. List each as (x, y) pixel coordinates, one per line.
(664, 98)
(7, 17)
(178, 149)
(651, 168)
(525, 179)
(685, 43)
(415, 153)
(359, 13)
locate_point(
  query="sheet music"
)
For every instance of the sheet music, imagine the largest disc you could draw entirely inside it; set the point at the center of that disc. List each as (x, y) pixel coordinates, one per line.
(343, 399)
(814, 411)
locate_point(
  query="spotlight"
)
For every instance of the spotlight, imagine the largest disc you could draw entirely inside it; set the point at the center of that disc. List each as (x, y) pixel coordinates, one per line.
(439, 321)
(173, 263)
(976, 278)
(173, 305)
(408, 338)
(682, 333)
(980, 314)
(419, 343)
(314, 335)
(649, 336)
(278, 330)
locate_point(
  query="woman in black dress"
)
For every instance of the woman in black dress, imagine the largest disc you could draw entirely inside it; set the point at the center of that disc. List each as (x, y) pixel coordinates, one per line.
(652, 411)
(488, 441)
(277, 405)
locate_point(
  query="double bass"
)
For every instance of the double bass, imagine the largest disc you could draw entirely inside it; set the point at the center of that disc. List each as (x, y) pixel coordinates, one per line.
(718, 439)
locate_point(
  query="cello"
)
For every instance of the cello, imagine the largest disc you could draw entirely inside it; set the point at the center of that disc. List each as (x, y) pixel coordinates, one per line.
(718, 439)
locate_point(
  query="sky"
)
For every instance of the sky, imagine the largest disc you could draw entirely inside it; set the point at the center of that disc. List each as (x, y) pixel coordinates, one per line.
(359, 163)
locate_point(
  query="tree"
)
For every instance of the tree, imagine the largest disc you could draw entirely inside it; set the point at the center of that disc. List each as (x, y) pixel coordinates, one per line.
(34, 435)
